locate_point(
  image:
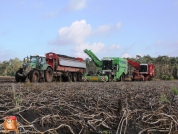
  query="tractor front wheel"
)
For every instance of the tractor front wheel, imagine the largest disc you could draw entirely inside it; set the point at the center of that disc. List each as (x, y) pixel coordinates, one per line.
(17, 77)
(34, 76)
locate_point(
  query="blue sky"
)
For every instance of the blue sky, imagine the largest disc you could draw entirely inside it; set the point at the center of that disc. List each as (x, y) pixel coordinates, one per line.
(122, 28)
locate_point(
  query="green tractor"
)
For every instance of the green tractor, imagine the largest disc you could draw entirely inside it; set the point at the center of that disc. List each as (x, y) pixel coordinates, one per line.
(35, 69)
(112, 68)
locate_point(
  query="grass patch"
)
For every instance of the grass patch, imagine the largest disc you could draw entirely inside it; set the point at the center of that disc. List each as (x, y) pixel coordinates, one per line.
(175, 90)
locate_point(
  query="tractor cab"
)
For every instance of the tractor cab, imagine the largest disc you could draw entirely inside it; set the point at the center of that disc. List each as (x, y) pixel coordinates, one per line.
(36, 61)
(107, 67)
(30, 63)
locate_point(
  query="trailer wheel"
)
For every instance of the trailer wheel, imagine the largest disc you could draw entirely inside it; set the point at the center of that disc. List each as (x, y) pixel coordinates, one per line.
(79, 78)
(34, 76)
(69, 77)
(74, 77)
(48, 75)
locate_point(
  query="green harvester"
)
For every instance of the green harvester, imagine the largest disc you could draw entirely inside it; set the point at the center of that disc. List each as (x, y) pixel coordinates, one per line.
(111, 68)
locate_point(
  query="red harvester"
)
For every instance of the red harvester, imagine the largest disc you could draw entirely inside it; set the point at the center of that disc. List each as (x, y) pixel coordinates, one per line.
(142, 72)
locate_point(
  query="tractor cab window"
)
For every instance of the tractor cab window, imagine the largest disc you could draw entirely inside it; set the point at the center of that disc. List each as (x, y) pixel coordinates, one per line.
(33, 59)
(42, 60)
(107, 65)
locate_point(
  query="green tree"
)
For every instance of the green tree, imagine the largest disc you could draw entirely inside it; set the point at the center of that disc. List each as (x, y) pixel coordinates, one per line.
(14, 65)
(9, 68)
(4, 68)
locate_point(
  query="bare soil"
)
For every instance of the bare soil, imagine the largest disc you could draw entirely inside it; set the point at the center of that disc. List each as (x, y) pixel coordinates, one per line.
(6, 79)
(90, 108)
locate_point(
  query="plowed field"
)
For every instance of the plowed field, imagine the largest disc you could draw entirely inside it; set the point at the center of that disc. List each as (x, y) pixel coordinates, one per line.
(6, 79)
(90, 108)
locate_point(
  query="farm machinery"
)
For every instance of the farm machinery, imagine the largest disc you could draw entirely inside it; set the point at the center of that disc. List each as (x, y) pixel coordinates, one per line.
(142, 72)
(112, 68)
(51, 67)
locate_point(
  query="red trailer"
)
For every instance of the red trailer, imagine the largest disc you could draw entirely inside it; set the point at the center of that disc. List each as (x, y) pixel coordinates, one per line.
(66, 68)
(142, 72)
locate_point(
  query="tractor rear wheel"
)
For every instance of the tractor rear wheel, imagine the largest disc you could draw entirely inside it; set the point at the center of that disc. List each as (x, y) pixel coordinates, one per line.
(69, 77)
(74, 77)
(34, 76)
(48, 75)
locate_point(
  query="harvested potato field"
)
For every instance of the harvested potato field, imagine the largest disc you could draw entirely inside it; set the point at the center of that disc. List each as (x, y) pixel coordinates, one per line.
(6, 79)
(90, 108)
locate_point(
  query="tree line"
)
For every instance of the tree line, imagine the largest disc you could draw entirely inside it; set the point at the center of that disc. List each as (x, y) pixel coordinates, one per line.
(165, 67)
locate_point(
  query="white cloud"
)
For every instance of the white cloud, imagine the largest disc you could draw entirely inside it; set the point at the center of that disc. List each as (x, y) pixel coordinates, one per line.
(104, 28)
(118, 25)
(107, 29)
(115, 47)
(77, 4)
(79, 31)
(71, 6)
(75, 34)
(126, 55)
(95, 48)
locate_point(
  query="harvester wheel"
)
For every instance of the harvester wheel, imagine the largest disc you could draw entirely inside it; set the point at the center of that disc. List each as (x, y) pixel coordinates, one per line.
(48, 75)
(122, 77)
(69, 77)
(79, 78)
(34, 76)
(109, 78)
(74, 77)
